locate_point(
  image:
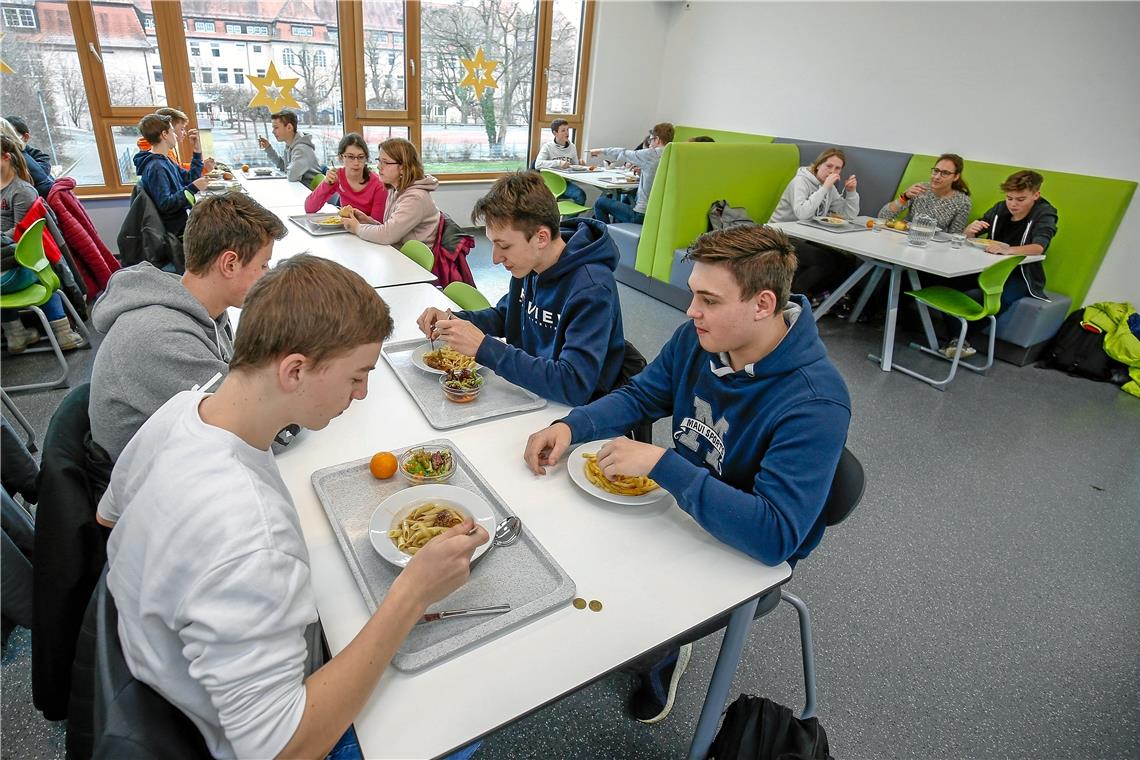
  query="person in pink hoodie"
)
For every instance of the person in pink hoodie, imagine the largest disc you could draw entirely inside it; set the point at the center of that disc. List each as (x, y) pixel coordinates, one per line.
(411, 213)
(358, 186)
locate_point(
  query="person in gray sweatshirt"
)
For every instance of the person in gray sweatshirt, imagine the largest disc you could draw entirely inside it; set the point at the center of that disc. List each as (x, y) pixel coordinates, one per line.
(300, 162)
(645, 160)
(819, 190)
(167, 333)
(560, 153)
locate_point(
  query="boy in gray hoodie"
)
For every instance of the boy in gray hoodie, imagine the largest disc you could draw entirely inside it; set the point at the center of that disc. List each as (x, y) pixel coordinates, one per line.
(168, 333)
(300, 163)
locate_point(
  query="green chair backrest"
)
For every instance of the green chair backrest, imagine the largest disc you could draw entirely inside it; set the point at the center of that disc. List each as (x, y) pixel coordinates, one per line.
(30, 254)
(681, 133)
(418, 252)
(691, 177)
(466, 297)
(315, 181)
(1089, 210)
(992, 280)
(190, 197)
(554, 183)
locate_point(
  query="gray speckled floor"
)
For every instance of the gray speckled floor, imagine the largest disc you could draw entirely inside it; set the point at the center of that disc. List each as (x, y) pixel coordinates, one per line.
(977, 605)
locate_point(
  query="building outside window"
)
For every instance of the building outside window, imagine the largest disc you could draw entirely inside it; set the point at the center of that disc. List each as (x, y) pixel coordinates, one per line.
(302, 31)
(239, 76)
(256, 29)
(257, 48)
(195, 50)
(215, 50)
(157, 71)
(233, 28)
(203, 26)
(207, 76)
(223, 76)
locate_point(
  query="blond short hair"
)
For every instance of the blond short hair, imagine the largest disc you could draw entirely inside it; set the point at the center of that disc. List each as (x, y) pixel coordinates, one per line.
(310, 306)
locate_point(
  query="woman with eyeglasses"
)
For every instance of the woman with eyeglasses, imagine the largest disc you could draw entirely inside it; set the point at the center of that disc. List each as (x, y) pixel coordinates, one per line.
(410, 213)
(356, 184)
(946, 197)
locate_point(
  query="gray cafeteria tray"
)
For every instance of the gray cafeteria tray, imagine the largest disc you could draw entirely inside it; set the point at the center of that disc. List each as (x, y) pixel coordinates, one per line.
(523, 575)
(307, 222)
(855, 226)
(252, 175)
(497, 397)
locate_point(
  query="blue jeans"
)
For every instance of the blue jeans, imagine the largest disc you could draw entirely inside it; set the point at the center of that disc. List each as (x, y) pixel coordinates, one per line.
(53, 310)
(613, 211)
(574, 193)
(348, 748)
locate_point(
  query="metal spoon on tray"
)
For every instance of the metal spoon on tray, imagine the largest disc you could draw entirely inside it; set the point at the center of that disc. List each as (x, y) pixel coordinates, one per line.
(506, 532)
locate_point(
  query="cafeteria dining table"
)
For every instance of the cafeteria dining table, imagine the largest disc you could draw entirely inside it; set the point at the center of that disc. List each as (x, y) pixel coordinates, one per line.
(887, 251)
(656, 573)
(606, 179)
(380, 265)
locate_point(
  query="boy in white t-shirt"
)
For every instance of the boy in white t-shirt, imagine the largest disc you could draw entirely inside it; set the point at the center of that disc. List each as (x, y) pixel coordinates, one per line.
(207, 563)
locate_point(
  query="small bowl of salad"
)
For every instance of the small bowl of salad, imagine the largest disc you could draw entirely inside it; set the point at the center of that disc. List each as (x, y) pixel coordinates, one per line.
(461, 385)
(428, 464)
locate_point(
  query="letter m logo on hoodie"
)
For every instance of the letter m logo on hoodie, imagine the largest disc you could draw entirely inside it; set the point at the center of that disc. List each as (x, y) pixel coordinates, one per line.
(692, 430)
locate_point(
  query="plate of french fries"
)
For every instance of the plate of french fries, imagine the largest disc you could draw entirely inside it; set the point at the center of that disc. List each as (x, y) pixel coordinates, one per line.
(631, 491)
(441, 358)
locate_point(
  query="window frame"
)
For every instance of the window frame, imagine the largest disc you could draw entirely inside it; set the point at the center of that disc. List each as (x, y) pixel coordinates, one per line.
(171, 35)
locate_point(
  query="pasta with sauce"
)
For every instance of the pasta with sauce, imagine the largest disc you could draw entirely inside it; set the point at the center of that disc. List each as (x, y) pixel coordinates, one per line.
(422, 524)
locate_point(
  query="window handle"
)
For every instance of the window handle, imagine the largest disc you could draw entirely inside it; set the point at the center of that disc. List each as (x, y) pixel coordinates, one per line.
(412, 63)
(94, 52)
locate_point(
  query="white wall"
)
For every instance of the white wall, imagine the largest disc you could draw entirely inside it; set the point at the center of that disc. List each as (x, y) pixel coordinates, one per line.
(901, 76)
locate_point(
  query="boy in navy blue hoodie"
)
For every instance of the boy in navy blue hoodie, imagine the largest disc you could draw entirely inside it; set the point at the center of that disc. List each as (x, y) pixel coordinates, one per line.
(561, 317)
(760, 417)
(163, 180)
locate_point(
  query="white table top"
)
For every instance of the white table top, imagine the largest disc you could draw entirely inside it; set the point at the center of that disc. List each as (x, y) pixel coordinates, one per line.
(656, 572)
(276, 193)
(379, 265)
(891, 248)
(607, 179)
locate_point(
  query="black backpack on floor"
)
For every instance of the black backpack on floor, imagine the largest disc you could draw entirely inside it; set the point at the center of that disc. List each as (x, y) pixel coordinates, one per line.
(1080, 352)
(756, 728)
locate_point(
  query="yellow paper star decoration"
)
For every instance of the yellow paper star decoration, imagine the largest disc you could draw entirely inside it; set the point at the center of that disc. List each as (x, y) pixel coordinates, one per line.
(474, 79)
(273, 91)
(4, 68)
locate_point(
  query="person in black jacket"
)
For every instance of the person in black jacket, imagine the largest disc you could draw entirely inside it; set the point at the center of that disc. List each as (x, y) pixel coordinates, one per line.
(39, 163)
(1023, 224)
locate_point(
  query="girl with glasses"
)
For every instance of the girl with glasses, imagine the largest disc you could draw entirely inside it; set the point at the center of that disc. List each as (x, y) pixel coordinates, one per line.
(356, 184)
(410, 213)
(946, 197)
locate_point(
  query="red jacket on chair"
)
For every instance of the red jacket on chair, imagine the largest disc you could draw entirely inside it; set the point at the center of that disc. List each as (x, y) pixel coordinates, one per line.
(36, 212)
(92, 257)
(451, 249)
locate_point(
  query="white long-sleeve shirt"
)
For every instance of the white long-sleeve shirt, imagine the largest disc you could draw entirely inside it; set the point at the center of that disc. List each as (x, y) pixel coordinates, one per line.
(551, 155)
(210, 573)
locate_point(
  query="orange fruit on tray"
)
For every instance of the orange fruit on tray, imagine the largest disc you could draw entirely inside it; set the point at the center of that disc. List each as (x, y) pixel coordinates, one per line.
(383, 465)
(870, 223)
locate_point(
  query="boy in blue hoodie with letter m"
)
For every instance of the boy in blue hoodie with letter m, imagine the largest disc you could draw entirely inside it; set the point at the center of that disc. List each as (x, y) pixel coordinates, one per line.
(163, 180)
(760, 418)
(561, 317)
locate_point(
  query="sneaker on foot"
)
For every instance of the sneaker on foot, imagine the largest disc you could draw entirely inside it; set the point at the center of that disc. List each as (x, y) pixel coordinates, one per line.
(951, 348)
(653, 700)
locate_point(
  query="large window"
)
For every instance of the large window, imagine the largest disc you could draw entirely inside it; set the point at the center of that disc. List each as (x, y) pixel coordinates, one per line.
(85, 72)
(468, 129)
(229, 128)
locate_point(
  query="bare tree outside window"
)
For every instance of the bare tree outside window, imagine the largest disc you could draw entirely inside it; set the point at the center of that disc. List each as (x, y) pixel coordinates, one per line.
(489, 133)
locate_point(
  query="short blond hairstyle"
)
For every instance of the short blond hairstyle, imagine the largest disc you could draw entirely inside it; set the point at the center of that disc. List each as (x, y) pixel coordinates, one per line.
(310, 306)
(760, 258)
(174, 114)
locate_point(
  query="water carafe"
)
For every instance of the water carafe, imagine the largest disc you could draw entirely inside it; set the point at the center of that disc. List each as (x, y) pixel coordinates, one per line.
(921, 230)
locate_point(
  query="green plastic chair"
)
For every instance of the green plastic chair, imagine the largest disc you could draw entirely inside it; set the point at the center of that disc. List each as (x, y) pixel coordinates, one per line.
(556, 184)
(466, 297)
(190, 197)
(957, 304)
(30, 254)
(417, 251)
(315, 181)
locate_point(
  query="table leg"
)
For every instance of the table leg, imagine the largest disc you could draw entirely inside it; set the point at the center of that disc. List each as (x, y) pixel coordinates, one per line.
(868, 289)
(731, 647)
(892, 318)
(923, 312)
(841, 291)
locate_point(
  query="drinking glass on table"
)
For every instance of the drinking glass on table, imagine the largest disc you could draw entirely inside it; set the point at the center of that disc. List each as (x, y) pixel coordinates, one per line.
(957, 239)
(881, 222)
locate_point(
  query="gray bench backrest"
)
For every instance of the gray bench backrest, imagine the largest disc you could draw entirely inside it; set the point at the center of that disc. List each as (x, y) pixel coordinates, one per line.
(878, 171)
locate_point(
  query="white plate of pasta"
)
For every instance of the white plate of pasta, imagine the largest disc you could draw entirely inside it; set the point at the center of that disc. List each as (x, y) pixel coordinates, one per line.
(409, 518)
(628, 491)
(444, 356)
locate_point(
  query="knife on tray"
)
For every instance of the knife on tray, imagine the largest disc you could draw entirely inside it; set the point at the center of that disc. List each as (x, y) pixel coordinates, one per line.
(431, 617)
